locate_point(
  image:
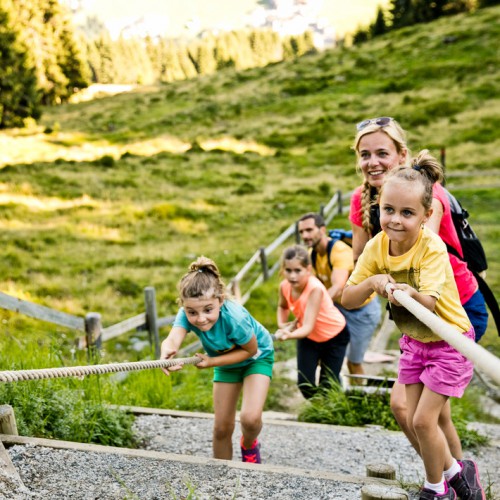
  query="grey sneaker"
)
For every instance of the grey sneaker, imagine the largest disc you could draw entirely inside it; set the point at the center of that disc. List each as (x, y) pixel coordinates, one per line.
(466, 482)
(449, 494)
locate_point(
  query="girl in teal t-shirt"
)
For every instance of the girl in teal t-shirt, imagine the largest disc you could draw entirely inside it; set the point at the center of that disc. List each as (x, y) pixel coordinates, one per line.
(237, 346)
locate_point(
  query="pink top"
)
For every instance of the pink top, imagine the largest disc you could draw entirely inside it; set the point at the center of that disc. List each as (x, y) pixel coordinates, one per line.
(330, 321)
(466, 282)
(356, 213)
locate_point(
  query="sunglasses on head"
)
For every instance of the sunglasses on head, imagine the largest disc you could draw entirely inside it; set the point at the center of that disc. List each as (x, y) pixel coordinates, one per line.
(382, 121)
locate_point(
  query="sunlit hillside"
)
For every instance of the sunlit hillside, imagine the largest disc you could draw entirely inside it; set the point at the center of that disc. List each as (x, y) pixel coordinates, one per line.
(105, 197)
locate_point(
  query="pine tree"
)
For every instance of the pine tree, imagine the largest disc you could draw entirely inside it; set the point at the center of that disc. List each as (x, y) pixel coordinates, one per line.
(106, 72)
(186, 63)
(379, 26)
(401, 13)
(46, 31)
(19, 98)
(488, 3)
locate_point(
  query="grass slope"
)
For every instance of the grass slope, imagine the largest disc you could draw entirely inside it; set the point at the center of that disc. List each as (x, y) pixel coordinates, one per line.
(123, 192)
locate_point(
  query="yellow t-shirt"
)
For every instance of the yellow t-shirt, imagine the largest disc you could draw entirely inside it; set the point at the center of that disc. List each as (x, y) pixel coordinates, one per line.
(426, 267)
(341, 257)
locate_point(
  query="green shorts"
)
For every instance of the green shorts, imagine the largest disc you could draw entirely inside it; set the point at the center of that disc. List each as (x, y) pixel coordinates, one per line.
(264, 366)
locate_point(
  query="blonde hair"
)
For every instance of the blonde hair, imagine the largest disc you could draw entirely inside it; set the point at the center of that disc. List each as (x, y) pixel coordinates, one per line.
(368, 194)
(202, 280)
(424, 168)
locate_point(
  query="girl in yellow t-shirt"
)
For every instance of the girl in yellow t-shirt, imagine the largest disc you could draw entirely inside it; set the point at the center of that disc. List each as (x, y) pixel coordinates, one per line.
(411, 257)
(319, 327)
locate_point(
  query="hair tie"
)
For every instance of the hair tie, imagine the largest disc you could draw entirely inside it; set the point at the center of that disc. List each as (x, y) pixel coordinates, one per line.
(417, 168)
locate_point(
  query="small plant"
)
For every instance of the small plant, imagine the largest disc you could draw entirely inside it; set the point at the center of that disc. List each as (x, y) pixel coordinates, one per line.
(245, 188)
(331, 405)
(106, 161)
(131, 495)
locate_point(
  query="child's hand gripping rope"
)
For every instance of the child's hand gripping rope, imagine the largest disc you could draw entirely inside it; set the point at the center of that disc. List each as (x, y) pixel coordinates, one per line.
(483, 359)
(284, 333)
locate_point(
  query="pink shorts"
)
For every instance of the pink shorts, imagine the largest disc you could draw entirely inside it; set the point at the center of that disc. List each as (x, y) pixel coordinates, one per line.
(437, 365)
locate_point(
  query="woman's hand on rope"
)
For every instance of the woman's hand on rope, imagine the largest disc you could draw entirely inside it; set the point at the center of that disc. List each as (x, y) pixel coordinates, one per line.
(168, 354)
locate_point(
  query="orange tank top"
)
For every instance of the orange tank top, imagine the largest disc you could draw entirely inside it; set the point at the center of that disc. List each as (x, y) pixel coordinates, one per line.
(330, 321)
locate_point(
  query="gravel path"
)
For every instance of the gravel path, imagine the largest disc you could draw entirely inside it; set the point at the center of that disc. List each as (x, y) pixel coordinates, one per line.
(300, 461)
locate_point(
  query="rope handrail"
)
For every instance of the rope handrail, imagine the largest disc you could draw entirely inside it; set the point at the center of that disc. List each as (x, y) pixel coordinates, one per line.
(80, 371)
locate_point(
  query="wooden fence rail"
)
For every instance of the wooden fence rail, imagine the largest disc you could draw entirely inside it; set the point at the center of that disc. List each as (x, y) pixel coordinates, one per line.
(41, 312)
(264, 255)
(91, 324)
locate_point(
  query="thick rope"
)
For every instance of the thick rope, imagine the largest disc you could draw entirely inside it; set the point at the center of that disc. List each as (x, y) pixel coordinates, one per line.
(80, 371)
(484, 360)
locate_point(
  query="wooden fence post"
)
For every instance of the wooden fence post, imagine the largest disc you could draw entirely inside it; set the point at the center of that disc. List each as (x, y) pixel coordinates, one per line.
(8, 421)
(385, 471)
(236, 290)
(322, 210)
(93, 328)
(152, 319)
(339, 202)
(297, 234)
(263, 261)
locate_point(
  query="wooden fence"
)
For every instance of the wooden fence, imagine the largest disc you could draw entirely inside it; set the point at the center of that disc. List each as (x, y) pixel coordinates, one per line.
(257, 270)
(263, 257)
(91, 324)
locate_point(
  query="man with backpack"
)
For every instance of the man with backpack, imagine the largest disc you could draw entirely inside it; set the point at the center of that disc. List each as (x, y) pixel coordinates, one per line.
(332, 262)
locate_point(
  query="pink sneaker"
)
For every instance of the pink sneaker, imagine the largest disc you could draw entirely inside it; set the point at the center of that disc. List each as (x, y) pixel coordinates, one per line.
(466, 482)
(449, 494)
(250, 455)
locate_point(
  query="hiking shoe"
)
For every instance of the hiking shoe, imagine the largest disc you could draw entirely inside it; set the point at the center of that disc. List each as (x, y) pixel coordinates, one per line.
(250, 455)
(466, 482)
(449, 494)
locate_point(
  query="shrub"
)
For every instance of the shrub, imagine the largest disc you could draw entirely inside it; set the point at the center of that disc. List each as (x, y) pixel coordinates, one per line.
(48, 409)
(331, 405)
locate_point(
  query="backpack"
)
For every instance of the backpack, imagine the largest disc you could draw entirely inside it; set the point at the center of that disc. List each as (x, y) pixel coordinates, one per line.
(335, 235)
(473, 254)
(471, 245)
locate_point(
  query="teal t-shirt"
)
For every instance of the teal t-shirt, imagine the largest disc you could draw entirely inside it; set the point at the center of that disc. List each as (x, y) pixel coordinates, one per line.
(234, 328)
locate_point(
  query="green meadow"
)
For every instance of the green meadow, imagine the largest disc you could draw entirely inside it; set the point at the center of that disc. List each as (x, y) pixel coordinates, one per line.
(102, 198)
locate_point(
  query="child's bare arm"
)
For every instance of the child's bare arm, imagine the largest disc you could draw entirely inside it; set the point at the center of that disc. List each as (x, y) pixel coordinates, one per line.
(354, 295)
(171, 345)
(310, 316)
(283, 311)
(236, 355)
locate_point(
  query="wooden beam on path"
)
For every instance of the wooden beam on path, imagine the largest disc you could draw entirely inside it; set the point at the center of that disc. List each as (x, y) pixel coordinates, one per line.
(7, 467)
(8, 426)
(195, 460)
